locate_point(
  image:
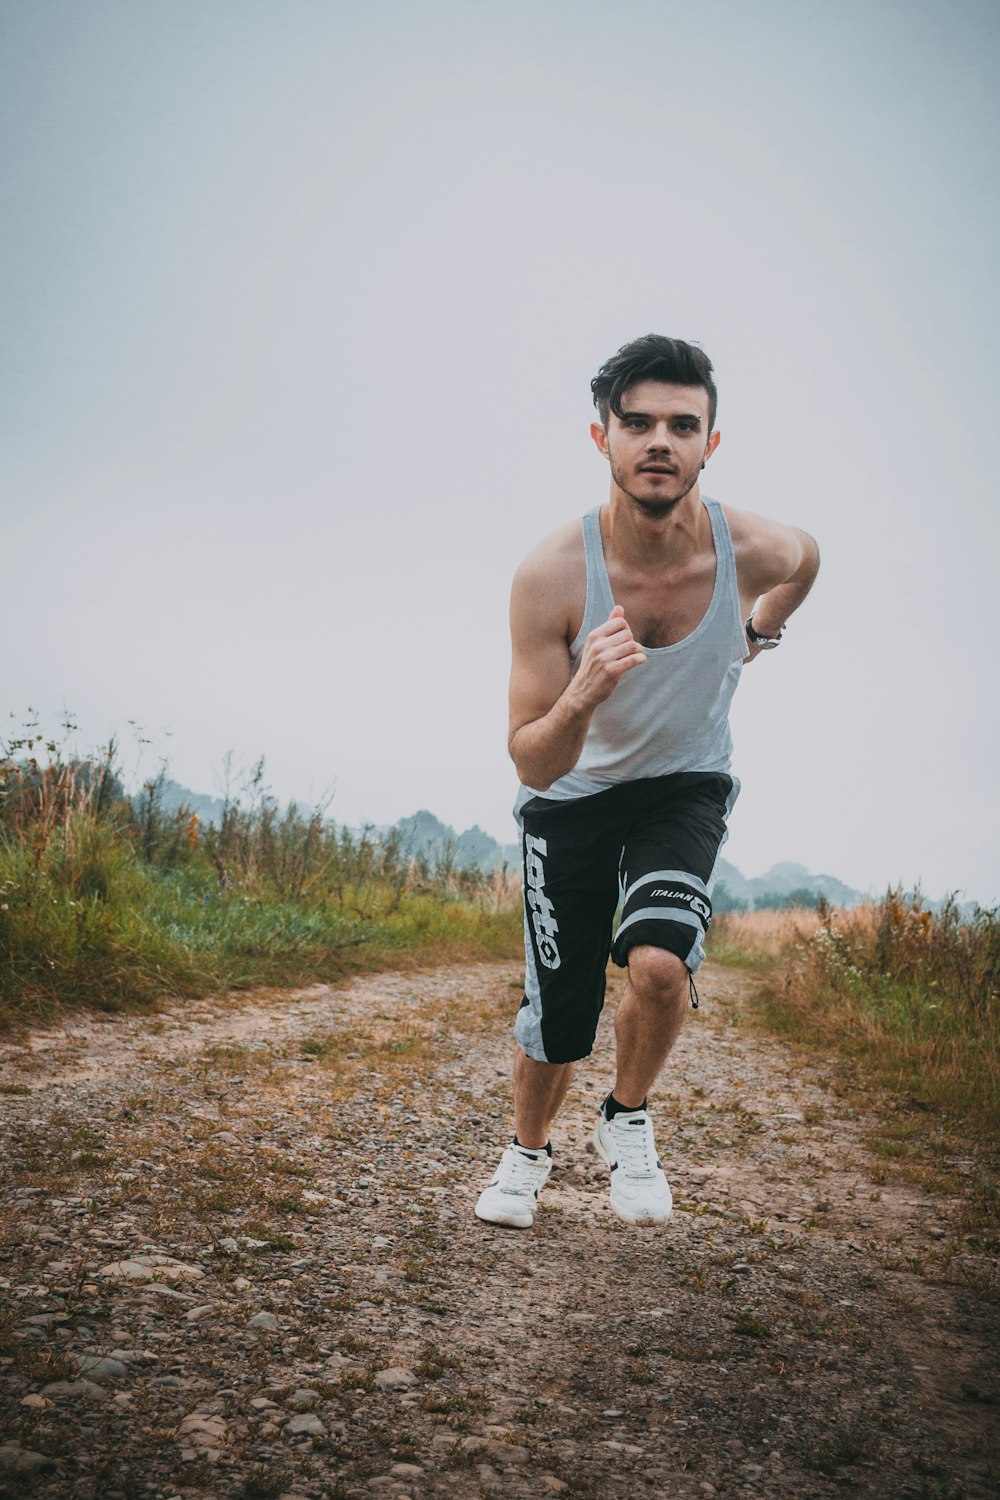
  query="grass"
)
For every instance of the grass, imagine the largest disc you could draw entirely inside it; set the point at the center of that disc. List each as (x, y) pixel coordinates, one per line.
(109, 902)
(908, 997)
(906, 1001)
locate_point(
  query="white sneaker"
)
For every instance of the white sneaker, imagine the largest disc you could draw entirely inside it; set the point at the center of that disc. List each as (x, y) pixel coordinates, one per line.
(512, 1197)
(639, 1191)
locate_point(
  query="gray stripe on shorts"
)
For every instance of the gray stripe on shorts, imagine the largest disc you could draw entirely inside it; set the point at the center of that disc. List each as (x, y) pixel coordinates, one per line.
(678, 876)
(528, 1022)
(662, 914)
(734, 792)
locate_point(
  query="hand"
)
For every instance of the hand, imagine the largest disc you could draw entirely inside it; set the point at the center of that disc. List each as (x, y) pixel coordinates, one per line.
(609, 651)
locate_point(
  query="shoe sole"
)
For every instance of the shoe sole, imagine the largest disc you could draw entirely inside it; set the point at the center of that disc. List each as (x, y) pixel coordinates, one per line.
(505, 1223)
(627, 1218)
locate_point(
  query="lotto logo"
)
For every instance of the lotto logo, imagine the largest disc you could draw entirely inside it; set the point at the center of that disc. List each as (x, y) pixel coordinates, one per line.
(542, 920)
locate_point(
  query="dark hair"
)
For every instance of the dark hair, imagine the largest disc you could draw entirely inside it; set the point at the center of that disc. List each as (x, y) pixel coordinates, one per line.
(653, 357)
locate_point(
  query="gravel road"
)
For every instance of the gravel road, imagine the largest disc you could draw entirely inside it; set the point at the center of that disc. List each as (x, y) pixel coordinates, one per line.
(239, 1258)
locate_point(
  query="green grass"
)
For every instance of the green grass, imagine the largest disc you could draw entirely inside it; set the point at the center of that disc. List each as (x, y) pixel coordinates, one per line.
(109, 903)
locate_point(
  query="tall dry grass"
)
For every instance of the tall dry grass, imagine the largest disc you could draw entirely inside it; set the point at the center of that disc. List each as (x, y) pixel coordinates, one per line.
(911, 992)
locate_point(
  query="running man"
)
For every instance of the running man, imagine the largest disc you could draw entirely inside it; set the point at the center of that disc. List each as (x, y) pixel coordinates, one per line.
(629, 636)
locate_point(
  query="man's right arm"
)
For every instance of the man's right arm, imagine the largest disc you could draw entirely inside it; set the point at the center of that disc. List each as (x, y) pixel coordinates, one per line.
(551, 706)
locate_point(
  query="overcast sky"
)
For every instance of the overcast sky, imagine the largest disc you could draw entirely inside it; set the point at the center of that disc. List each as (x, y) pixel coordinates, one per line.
(300, 305)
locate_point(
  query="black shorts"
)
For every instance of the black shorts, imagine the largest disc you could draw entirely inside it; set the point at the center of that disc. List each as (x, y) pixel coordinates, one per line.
(651, 844)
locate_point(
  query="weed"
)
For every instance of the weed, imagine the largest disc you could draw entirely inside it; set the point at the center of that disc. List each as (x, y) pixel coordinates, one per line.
(850, 1445)
(262, 1483)
(751, 1325)
(435, 1362)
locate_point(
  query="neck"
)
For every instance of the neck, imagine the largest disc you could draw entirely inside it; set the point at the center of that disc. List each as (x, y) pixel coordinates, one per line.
(640, 539)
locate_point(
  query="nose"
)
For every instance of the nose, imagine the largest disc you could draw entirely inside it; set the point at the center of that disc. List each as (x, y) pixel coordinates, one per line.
(659, 438)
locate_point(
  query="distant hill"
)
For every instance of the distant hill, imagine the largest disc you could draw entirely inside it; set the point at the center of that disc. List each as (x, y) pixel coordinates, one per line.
(426, 836)
(735, 891)
(173, 795)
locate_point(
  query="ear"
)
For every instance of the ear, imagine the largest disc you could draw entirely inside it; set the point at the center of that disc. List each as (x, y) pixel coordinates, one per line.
(711, 446)
(600, 437)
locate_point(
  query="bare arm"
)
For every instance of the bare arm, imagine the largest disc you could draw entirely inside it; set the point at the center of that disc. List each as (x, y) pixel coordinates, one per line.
(777, 567)
(550, 706)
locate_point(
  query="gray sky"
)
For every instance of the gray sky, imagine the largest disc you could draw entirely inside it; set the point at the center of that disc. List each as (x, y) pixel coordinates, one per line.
(300, 305)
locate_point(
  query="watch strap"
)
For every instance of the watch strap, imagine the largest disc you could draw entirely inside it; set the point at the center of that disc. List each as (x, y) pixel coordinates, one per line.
(755, 639)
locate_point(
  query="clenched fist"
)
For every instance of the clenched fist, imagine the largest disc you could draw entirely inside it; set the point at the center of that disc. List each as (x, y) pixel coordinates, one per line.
(609, 651)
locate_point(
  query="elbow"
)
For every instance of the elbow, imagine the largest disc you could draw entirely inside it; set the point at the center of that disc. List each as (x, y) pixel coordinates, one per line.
(809, 566)
(525, 771)
(527, 777)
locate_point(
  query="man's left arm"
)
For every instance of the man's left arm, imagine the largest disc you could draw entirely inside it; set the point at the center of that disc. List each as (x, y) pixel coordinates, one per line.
(777, 567)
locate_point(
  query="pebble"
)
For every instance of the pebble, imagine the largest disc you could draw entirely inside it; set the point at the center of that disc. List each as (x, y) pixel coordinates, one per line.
(395, 1379)
(98, 1368)
(73, 1390)
(205, 1433)
(18, 1460)
(507, 1453)
(152, 1267)
(264, 1320)
(554, 1485)
(407, 1471)
(196, 1314)
(306, 1424)
(303, 1399)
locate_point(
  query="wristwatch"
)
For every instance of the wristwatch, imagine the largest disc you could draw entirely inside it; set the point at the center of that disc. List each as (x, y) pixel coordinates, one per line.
(762, 642)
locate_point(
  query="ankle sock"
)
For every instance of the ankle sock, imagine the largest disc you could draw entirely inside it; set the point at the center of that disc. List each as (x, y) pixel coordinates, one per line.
(547, 1148)
(611, 1107)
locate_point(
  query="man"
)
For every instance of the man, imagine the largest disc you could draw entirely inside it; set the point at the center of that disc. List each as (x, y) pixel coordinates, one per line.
(629, 636)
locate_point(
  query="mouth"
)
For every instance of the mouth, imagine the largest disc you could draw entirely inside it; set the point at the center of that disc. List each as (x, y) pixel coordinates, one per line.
(656, 469)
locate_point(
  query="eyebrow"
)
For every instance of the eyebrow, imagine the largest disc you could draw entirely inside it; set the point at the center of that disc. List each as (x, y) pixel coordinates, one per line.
(678, 416)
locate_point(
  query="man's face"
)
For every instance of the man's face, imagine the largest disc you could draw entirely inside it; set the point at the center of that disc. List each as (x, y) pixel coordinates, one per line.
(657, 448)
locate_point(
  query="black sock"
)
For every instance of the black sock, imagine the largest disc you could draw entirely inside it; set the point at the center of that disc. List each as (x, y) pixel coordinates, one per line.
(611, 1107)
(547, 1147)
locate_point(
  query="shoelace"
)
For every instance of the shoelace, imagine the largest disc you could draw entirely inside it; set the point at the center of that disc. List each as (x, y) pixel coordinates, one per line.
(521, 1175)
(636, 1148)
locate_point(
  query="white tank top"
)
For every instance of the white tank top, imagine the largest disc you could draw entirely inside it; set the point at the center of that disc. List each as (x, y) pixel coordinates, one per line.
(672, 713)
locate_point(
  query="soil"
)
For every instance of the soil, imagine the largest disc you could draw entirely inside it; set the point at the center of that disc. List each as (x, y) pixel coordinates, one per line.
(240, 1259)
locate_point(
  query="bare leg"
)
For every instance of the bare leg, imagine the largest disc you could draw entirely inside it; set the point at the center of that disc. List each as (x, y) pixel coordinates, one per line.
(649, 1019)
(539, 1089)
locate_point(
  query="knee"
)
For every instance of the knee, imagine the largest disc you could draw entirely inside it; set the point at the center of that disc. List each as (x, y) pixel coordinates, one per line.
(657, 976)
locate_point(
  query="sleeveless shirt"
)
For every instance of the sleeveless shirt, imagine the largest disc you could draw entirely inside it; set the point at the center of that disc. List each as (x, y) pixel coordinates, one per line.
(672, 713)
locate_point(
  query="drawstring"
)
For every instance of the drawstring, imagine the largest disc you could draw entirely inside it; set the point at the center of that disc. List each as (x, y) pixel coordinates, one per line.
(693, 991)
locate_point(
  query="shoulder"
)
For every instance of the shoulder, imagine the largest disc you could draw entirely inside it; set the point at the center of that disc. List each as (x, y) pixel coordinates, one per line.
(552, 577)
(767, 552)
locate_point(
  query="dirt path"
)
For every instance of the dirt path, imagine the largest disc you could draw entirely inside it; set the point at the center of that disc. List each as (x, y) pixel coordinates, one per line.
(260, 1216)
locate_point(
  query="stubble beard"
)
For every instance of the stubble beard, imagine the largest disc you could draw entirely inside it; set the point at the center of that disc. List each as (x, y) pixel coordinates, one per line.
(653, 509)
